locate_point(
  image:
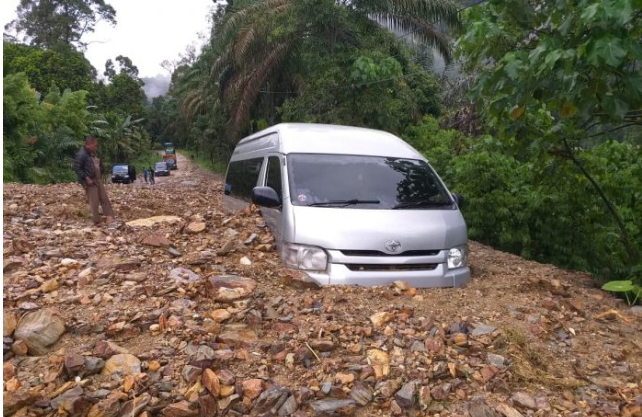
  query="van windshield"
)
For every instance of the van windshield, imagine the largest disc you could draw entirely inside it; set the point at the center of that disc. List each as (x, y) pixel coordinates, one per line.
(161, 165)
(373, 182)
(120, 169)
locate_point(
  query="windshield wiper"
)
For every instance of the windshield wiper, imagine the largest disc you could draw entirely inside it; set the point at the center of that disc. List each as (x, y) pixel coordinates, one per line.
(418, 204)
(344, 203)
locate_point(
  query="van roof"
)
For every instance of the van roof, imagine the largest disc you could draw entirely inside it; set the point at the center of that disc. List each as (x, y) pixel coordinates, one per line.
(326, 139)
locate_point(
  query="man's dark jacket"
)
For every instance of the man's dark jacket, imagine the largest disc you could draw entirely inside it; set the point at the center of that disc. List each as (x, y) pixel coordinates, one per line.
(84, 166)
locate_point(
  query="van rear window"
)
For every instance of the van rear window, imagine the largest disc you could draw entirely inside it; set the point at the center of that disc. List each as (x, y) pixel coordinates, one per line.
(242, 177)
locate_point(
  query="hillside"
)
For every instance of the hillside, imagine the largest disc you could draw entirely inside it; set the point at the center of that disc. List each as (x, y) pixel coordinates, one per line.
(152, 326)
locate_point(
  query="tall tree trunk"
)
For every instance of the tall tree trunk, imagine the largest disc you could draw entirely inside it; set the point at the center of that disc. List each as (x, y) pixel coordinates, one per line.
(624, 236)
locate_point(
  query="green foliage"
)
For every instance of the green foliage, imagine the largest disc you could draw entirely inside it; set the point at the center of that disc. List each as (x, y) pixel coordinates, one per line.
(541, 209)
(55, 24)
(570, 63)
(65, 68)
(40, 137)
(628, 288)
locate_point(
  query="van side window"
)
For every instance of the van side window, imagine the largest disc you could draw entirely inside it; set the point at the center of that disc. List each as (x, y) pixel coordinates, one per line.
(274, 175)
(242, 177)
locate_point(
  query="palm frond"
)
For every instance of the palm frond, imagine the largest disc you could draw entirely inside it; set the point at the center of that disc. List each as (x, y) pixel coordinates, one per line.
(427, 33)
(252, 84)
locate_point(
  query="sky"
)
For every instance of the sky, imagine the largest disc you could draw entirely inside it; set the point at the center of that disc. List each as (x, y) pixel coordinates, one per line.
(147, 31)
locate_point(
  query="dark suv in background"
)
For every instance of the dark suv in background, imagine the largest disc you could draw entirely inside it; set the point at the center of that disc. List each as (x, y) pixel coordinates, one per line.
(123, 174)
(161, 169)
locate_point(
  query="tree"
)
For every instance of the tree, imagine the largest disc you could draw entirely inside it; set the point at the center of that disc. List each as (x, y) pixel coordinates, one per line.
(259, 42)
(555, 74)
(55, 24)
(65, 68)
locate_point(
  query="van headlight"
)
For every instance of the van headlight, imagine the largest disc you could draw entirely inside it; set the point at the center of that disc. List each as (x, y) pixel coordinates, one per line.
(307, 258)
(457, 257)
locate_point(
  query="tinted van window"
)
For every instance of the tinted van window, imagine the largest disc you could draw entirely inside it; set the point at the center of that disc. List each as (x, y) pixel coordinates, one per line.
(242, 177)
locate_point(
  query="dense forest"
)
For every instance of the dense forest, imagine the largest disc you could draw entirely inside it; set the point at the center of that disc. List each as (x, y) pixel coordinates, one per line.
(532, 111)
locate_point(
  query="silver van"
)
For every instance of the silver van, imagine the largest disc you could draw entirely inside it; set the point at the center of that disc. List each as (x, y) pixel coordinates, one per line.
(350, 205)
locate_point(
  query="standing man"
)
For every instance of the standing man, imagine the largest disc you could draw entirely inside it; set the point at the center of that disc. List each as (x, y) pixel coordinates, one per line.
(145, 174)
(152, 180)
(89, 169)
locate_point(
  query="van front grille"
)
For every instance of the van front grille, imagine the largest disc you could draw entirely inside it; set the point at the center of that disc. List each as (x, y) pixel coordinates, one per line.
(379, 253)
(391, 267)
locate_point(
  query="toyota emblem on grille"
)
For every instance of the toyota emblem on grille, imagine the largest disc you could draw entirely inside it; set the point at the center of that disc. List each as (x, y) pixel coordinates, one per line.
(392, 245)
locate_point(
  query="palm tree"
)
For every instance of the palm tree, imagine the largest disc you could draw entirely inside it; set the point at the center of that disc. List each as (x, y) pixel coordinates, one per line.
(257, 44)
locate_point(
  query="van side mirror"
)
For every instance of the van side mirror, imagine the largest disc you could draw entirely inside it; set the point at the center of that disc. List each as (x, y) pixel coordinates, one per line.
(265, 197)
(459, 199)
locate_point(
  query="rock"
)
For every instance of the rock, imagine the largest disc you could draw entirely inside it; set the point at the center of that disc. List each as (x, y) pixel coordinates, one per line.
(183, 275)
(191, 373)
(344, 378)
(195, 227)
(227, 247)
(425, 397)
(220, 315)
(417, 346)
(380, 362)
(73, 401)
(156, 240)
(40, 329)
(269, 399)
(28, 305)
(245, 261)
(211, 382)
(361, 393)
(207, 405)
(12, 402)
(229, 287)
(482, 329)
(496, 360)
(74, 363)
(288, 408)
(381, 318)
(180, 409)
(19, 348)
(105, 349)
(106, 408)
(506, 410)
(93, 365)
(8, 371)
(174, 252)
(252, 388)
(154, 366)
(479, 408)
(122, 363)
(135, 406)
(202, 357)
(152, 221)
(524, 400)
(405, 397)
(395, 408)
(11, 264)
(237, 338)
(636, 310)
(322, 345)
(9, 323)
(332, 405)
(387, 388)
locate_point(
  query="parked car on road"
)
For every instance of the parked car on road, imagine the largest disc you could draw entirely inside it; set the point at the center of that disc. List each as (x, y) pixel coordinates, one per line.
(161, 169)
(123, 174)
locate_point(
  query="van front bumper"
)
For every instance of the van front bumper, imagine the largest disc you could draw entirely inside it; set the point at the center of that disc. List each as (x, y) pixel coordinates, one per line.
(440, 277)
